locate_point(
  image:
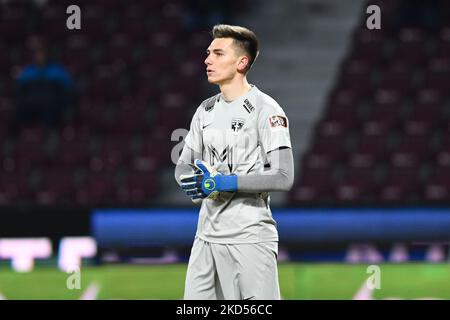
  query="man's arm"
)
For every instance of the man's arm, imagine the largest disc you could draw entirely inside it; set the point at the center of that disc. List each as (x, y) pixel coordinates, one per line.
(193, 141)
(185, 163)
(280, 177)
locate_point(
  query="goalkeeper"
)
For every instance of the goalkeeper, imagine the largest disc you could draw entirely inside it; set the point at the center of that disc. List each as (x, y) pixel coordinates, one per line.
(238, 149)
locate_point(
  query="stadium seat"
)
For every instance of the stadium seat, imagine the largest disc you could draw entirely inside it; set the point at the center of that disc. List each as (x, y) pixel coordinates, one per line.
(138, 189)
(15, 188)
(55, 188)
(99, 189)
(358, 184)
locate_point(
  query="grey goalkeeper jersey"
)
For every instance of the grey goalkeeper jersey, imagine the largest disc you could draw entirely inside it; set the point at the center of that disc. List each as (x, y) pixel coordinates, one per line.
(235, 137)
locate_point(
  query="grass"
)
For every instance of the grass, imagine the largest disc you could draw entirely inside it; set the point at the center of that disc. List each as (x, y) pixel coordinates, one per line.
(297, 281)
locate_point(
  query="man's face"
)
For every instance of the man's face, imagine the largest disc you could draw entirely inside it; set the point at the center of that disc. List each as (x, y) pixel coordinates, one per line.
(223, 61)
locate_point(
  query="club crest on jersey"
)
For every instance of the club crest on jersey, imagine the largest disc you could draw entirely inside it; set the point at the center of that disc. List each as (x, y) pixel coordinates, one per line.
(278, 122)
(236, 124)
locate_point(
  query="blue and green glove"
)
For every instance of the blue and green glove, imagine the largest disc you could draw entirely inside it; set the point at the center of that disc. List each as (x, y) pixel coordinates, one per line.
(207, 182)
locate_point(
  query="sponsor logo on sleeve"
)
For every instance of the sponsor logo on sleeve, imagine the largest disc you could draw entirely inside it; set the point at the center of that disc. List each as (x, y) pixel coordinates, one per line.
(278, 122)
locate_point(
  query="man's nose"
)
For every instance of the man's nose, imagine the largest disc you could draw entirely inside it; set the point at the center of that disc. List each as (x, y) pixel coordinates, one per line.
(207, 60)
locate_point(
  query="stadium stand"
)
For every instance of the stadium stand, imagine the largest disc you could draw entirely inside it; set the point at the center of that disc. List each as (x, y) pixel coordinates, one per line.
(383, 138)
(138, 68)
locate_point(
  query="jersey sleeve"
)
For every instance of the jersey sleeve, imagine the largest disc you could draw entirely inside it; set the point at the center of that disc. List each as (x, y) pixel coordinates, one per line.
(194, 138)
(273, 128)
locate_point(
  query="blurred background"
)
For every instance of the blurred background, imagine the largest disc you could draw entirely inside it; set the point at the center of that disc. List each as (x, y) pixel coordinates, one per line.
(86, 145)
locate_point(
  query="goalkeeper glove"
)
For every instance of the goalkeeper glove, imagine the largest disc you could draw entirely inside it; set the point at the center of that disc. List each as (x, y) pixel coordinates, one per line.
(207, 182)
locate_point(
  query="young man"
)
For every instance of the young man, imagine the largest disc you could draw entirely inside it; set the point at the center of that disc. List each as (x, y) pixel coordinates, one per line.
(237, 150)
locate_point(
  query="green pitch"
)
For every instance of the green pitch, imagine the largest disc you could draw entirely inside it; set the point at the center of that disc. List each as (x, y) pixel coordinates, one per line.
(297, 281)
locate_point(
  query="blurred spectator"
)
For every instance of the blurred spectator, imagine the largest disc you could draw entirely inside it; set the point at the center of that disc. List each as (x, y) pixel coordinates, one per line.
(44, 89)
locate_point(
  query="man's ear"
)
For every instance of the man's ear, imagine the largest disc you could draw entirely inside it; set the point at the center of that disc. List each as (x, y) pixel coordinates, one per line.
(243, 63)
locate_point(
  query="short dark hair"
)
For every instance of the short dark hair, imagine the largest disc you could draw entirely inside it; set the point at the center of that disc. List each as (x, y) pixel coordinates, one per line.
(243, 38)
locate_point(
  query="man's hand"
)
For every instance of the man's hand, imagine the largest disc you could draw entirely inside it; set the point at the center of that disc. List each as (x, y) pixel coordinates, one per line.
(207, 182)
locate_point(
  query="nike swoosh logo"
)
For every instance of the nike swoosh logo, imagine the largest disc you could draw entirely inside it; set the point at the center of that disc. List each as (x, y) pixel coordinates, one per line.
(206, 126)
(249, 298)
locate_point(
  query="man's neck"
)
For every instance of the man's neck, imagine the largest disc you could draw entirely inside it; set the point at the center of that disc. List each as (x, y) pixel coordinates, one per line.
(235, 89)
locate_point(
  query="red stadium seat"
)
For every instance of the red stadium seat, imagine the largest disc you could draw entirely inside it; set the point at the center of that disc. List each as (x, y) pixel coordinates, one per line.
(437, 188)
(358, 184)
(114, 152)
(318, 160)
(313, 186)
(410, 42)
(400, 75)
(412, 148)
(99, 190)
(334, 146)
(129, 121)
(56, 188)
(400, 184)
(15, 188)
(138, 189)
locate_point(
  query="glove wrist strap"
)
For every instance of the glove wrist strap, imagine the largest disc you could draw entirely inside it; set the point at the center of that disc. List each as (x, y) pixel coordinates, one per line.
(228, 183)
